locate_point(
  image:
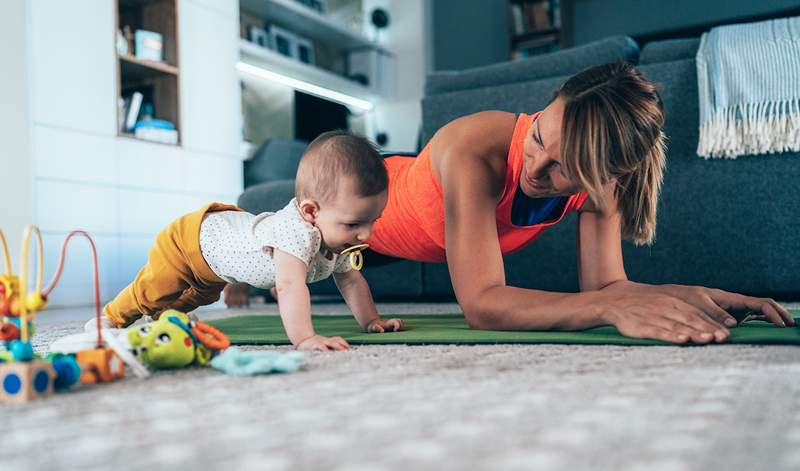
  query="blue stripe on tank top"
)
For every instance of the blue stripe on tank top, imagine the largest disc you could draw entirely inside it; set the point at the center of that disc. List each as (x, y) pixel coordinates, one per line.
(526, 211)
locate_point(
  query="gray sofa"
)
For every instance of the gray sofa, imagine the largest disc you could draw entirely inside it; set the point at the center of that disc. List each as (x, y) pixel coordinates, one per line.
(723, 223)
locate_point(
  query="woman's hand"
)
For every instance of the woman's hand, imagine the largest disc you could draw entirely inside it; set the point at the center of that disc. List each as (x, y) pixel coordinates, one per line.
(678, 313)
(718, 303)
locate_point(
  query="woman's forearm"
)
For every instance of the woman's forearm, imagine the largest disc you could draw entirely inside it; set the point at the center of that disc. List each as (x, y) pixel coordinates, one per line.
(511, 308)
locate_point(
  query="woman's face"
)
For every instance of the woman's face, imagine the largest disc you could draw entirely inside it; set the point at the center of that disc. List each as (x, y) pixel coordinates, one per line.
(542, 174)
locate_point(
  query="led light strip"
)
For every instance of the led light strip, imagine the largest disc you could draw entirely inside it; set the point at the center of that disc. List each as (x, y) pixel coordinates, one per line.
(304, 86)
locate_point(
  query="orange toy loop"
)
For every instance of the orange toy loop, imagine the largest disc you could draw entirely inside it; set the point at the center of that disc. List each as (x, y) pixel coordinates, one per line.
(210, 337)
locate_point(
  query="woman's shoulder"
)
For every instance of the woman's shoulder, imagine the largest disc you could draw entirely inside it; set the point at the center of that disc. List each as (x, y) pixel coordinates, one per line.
(473, 144)
(484, 135)
(484, 130)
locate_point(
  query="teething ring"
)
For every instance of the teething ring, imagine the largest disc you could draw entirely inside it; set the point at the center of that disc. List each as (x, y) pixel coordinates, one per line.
(210, 337)
(356, 258)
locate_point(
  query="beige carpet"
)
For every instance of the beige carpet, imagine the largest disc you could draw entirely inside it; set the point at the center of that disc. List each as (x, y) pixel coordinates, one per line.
(435, 407)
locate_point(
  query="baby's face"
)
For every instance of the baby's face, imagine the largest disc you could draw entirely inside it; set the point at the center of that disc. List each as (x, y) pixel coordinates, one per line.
(347, 219)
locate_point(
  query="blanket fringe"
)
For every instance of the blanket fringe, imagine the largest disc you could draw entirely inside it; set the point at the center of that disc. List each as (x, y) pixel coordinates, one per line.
(751, 129)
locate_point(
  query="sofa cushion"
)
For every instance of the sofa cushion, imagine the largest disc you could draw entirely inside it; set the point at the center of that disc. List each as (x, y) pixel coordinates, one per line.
(275, 159)
(565, 62)
(669, 50)
(520, 97)
(721, 223)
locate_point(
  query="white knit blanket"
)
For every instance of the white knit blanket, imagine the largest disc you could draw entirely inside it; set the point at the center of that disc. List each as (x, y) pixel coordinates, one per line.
(748, 77)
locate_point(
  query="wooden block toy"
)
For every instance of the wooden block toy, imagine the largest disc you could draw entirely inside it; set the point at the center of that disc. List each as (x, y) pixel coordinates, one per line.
(100, 365)
(26, 380)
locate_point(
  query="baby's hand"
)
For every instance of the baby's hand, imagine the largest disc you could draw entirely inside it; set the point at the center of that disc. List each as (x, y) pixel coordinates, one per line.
(379, 326)
(323, 344)
(236, 294)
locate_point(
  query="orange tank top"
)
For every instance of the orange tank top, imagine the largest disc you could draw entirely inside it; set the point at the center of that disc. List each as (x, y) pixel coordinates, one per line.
(412, 225)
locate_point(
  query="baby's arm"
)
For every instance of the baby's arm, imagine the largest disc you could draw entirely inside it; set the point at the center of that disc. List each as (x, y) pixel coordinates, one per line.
(294, 304)
(356, 294)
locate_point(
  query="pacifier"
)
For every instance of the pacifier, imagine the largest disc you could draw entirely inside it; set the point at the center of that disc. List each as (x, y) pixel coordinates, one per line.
(356, 259)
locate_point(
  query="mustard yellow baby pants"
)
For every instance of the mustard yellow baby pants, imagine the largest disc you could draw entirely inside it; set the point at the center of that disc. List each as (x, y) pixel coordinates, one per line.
(176, 276)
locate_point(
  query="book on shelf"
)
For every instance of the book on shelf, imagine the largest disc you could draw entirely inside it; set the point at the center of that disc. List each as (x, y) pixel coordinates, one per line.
(517, 19)
(529, 16)
(134, 106)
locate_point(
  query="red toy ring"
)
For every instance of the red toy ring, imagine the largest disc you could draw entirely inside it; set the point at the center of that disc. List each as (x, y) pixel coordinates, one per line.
(210, 337)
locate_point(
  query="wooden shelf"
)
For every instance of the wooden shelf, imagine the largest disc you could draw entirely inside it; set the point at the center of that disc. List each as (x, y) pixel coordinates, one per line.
(306, 22)
(135, 69)
(157, 81)
(534, 35)
(268, 59)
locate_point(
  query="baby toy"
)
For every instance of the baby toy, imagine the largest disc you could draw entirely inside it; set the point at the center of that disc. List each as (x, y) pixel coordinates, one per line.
(356, 259)
(247, 363)
(175, 340)
(23, 374)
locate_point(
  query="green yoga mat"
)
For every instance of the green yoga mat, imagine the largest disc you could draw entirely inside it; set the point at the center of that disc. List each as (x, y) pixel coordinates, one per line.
(453, 329)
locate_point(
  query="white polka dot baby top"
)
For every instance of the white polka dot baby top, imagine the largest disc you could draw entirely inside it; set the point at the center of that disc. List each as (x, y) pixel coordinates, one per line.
(238, 245)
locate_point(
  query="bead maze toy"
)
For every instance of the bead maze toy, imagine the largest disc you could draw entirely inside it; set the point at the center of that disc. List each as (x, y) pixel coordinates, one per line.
(23, 374)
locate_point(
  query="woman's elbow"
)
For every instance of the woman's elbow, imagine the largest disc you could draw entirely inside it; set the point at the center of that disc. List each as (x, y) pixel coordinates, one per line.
(478, 316)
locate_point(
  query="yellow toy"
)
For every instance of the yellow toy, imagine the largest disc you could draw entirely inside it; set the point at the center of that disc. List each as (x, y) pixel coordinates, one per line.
(356, 259)
(175, 341)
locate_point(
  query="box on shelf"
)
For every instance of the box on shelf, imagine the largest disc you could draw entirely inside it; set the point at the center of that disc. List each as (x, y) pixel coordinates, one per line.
(149, 45)
(283, 42)
(258, 36)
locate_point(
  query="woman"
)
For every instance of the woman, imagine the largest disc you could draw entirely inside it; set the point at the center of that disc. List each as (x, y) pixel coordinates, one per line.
(489, 183)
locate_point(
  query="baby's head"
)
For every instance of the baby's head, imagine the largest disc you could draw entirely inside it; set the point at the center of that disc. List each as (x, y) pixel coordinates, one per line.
(341, 188)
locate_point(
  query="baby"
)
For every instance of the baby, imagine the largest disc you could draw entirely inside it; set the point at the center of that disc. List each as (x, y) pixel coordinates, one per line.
(340, 191)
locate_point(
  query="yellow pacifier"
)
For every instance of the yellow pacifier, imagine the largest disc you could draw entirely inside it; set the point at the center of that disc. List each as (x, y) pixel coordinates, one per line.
(356, 259)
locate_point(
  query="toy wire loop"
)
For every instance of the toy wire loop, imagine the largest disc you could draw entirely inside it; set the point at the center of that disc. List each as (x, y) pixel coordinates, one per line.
(60, 269)
(5, 253)
(356, 258)
(23, 277)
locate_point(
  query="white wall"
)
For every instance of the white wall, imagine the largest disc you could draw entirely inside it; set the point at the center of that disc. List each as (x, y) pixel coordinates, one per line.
(16, 196)
(122, 190)
(407, 37)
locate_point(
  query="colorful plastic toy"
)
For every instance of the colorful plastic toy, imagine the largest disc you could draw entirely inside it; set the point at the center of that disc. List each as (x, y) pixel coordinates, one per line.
(23, 375)
(101, 364)
(26, 374)
(175, 341)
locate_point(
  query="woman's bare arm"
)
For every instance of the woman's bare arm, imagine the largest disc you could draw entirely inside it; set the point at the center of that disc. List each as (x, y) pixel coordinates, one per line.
(469, 155)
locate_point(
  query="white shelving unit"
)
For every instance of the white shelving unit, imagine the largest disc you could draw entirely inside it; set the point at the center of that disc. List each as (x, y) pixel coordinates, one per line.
(268, 59)
(303, 21)
(307, 22)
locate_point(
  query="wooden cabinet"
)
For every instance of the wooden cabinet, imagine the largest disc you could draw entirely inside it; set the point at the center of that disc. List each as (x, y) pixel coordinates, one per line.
(147, 64)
